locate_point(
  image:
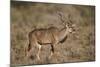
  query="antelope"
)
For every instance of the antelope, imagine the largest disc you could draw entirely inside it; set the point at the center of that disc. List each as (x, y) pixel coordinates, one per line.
(51, 36)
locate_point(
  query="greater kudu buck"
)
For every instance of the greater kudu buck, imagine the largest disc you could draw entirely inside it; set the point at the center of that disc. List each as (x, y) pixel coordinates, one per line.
(51, 36)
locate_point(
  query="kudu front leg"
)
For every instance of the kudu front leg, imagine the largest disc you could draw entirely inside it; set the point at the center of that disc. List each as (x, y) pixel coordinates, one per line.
(51, 51)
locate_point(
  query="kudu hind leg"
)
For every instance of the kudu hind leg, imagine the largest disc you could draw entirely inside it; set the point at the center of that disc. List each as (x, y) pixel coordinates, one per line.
(28, 50)
(38, 53)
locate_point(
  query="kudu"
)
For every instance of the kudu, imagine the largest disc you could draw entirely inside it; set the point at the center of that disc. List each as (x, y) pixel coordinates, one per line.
(51, 36)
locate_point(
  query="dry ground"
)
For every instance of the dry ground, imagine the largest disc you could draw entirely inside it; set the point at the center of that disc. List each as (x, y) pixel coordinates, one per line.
(26, 16)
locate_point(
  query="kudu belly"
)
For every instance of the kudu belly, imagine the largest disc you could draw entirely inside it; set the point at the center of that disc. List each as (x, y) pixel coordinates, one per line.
(44, 38)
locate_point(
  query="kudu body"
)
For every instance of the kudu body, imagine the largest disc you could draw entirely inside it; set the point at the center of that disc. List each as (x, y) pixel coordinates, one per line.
(51, 36)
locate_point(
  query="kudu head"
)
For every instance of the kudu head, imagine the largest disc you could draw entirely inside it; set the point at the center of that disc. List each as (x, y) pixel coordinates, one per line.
(67, 22)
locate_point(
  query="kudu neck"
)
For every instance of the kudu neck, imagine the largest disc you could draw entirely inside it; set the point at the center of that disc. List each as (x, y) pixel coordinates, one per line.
(63, 33)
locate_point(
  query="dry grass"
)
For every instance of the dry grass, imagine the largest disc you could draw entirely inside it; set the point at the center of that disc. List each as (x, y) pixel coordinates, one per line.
(79, 46)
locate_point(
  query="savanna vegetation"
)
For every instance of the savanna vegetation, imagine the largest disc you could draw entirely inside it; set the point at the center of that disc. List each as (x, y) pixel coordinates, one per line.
(27, 16)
